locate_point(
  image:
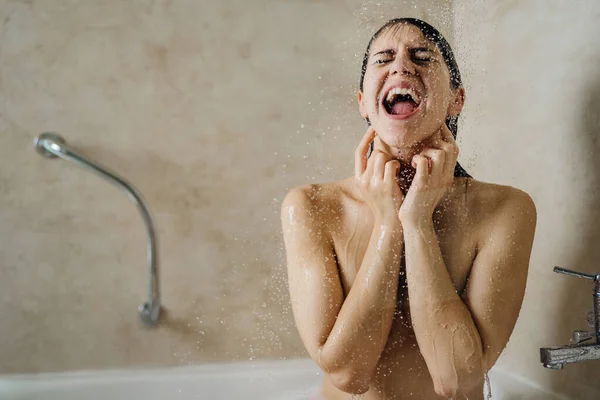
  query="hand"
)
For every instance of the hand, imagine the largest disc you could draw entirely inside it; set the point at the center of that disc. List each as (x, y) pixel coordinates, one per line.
(376, 179)
(430, 184)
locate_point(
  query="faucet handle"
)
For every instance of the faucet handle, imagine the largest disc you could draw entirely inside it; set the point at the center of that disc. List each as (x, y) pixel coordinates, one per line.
(582, 336)
(577, 274)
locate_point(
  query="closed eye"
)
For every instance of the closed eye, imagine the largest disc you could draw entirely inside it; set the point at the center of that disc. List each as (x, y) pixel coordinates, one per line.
(384, 56)
(381, 61)
(418, 55)
(421, 54)
(417, 59)
(422, 60)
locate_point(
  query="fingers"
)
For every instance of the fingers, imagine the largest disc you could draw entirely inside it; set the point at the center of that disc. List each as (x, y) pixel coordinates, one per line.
(421, 164)
(446, 134)
(443, 141)
(438, 160)
(449, 145)
(360, 155)
(374, 173)
(379, 163)
(391, 171)
(436, 139)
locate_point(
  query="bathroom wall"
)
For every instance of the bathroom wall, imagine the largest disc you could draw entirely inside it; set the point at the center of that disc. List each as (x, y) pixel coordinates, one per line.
(213, 110)
(532, 120)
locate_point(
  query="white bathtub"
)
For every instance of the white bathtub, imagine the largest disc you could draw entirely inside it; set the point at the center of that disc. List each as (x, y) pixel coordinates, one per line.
(262, 380)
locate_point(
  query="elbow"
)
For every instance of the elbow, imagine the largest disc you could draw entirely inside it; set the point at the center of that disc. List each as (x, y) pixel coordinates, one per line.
(349, 377)
(462, 383)
(349, 382)
(457, 389)
(452, 390)
(447, 390)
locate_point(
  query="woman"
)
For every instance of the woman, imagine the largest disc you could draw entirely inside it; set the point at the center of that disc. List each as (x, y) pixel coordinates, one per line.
(406, 279)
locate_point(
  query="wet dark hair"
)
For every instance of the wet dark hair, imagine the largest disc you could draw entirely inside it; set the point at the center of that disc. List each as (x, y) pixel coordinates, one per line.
(434, 36)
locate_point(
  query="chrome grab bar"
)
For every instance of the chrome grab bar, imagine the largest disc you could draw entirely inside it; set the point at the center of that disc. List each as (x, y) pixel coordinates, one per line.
(52, 145)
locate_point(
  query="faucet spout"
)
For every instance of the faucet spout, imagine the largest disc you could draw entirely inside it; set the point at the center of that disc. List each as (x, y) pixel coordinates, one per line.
(556, 357)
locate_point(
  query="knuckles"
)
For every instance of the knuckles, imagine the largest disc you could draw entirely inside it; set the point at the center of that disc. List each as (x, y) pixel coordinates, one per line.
(381, 157)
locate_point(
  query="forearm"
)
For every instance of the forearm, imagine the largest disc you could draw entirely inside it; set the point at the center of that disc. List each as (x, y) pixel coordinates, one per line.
(365, 318)
(445, 330)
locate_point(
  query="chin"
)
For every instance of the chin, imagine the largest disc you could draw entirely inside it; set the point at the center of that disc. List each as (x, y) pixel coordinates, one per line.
(399, 137)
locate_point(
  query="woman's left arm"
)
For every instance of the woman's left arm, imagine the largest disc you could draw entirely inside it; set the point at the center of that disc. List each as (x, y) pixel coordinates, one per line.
(461, 340)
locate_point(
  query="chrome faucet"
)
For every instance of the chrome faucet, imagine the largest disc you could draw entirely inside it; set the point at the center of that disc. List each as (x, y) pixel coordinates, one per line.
(52, 145)
(581, 349)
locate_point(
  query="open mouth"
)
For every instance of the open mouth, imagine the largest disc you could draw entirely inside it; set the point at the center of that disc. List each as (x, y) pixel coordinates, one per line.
(401, 101)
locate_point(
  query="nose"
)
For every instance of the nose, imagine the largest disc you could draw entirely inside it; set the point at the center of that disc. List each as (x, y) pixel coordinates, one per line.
(402, 64)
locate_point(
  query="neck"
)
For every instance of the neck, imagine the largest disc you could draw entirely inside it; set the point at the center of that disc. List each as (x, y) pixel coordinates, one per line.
(405, 156)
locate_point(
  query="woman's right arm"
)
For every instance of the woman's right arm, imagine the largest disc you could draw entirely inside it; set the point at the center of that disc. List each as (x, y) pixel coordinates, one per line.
(345, 337)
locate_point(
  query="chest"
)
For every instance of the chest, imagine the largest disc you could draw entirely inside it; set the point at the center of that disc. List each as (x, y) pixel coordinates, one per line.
(455, 237)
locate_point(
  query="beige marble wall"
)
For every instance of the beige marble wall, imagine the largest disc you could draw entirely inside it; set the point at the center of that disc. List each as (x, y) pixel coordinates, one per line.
(532, 120)
(213, 109)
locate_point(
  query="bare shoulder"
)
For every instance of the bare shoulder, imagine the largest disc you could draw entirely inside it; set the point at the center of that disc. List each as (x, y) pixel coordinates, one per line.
(317, 202)
(492, 204)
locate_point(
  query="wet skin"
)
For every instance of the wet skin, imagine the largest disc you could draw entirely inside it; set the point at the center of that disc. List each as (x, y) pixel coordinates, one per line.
(406, 282)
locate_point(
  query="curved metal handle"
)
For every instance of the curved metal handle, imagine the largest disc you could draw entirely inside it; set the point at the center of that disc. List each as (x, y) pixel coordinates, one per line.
(52, 145)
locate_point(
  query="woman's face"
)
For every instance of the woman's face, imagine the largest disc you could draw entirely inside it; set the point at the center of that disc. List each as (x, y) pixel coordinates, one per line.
(406, 89)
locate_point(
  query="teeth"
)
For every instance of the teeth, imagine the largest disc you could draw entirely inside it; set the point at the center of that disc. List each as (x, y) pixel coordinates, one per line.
(402, 91)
